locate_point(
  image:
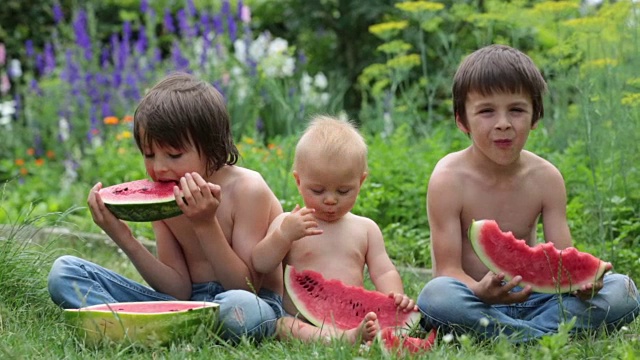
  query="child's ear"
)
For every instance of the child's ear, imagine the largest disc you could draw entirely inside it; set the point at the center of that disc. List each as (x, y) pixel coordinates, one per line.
(461, 125)
(297, 177)
(534, 125)
(363, 177)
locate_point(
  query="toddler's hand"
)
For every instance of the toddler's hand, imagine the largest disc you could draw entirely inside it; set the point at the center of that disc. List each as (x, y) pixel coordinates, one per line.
(403, 302)
(299, 223)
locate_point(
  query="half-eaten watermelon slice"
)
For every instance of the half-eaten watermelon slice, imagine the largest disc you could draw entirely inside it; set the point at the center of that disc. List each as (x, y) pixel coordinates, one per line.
(144, 323)
(328, 301)
(141, 200)
(545, 268)
(395, 344)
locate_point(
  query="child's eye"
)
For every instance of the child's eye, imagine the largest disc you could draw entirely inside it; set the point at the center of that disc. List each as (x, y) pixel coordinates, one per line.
(517, 110)
(316, 191)
(343, 192)
(149, 156)
(175, 156)
(485, 111)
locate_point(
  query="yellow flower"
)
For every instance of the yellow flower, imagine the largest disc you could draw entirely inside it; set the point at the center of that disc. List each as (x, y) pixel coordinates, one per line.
(632, 99)
(599, 64)
(111, 120)
(419, 6)
(388, 29)
(556, 6)
(404, 62)
(124, 135)
(395, 47)
(248, 140)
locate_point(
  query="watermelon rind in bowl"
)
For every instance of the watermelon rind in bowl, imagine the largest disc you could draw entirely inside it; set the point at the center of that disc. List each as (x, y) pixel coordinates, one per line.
(145, 323)
(141, 200)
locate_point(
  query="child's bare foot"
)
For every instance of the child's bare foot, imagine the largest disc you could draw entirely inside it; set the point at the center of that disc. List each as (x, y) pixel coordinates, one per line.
(365, 332)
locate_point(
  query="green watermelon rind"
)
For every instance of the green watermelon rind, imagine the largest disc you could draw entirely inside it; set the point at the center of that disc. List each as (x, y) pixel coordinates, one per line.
(145, 212)
(127, 207)
(97, 326)
(554, 286)
(411, 318)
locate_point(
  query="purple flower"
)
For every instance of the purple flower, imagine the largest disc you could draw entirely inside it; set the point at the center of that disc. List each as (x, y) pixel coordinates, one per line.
(141, 43)
(58, 15)
(83, 40)
(184, 26)
(179, 61)
(28, 47)
(144, 6)
(191, 7)
(217, 24)
(168, 21)
(49, 59)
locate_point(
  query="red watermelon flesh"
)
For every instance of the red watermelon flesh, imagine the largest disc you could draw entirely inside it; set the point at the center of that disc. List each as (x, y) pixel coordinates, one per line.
(398, 344)
(328, 301)
(545, 268)
(141, 200)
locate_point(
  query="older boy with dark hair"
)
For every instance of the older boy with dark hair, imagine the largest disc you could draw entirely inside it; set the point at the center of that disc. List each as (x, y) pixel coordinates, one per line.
(182, 129)
(497, 96)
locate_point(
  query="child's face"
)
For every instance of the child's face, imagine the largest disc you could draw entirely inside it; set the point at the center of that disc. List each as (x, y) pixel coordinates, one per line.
(329, 188)
(499, 124)
(168, 164)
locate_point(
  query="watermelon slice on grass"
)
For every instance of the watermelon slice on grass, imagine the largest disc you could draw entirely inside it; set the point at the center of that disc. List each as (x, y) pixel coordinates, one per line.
(545, 268)
(141, 200)
(328, 301)
(397, 344)
(143, 323)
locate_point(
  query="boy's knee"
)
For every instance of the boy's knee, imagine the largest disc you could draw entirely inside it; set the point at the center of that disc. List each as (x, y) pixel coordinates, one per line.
(243, 313)
(439, 294)
(620, 292)
(59, 269)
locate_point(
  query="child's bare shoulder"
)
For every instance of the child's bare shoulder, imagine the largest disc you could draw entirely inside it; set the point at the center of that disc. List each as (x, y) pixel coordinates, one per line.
(448, 169)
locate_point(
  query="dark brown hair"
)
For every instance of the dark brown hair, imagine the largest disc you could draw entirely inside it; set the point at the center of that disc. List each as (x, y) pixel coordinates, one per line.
(180, 109)
(498, 68)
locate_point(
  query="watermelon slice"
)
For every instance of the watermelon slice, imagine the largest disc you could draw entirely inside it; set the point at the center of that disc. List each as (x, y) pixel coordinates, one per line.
(141, 200)
(545, 268)
(323, 302)
(146, 323)
(396, 344)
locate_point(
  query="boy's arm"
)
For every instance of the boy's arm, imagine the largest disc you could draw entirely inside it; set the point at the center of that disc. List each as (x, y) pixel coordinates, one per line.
(230, 258)
(270, 251)
(172, 277)
(285, 229)
(383, 272)
(554, 221)
(554, 208)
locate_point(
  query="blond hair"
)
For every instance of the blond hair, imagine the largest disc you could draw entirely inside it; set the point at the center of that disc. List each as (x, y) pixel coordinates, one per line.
(335, 139)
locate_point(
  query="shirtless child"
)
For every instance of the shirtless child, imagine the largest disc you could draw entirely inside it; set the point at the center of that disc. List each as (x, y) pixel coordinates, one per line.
(497, 95)
(182, 129)
(330, 166)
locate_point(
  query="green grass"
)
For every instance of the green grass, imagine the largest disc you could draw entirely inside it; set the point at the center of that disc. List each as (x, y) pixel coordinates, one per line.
(31, 326)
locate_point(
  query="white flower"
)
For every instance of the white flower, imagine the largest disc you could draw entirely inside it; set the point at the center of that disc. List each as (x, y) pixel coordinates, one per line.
(7, 109)
(484, 322)
(447, 338)
(240, 50)
(258, 47)
(289, 66)
(63, 126)
(320, 81)
(15, 68)
(278, 46)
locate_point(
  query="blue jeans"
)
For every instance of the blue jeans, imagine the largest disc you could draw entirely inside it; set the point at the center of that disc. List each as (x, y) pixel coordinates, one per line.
(451, 306)
(74, 283)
